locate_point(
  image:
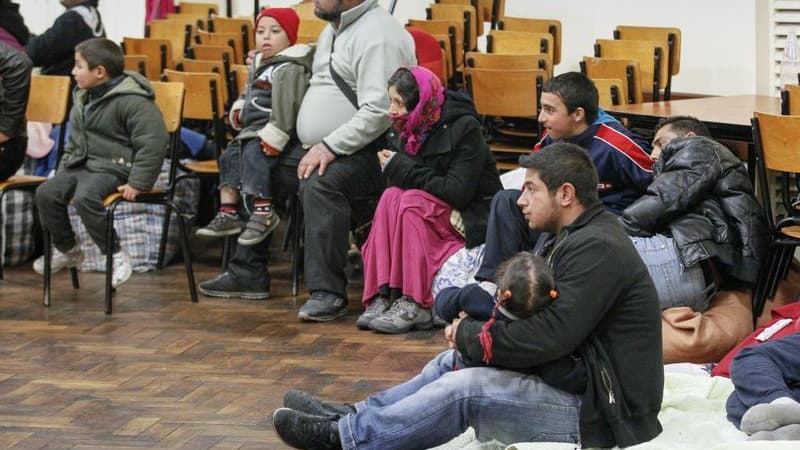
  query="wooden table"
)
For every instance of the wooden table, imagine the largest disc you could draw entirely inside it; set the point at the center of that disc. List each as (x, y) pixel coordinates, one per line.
(726, 117)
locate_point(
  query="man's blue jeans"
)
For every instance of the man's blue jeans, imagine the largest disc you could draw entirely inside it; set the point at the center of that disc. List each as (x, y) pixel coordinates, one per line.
(440, 403)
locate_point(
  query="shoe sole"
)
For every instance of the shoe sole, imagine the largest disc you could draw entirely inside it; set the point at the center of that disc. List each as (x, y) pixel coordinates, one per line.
(420, 327)
(217, 234)
(250, 242)
(227, 294)
(305, 317)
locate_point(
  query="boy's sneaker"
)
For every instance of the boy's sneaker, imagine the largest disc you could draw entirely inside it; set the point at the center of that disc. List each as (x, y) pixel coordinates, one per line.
(323, 306)
(73, 258)
(404, 315)
(259, 227)
(304, 402)
(122, 268)
(225, 285)
(222, 225)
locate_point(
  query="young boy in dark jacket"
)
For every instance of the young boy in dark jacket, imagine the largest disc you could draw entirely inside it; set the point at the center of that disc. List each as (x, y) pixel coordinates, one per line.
(266, 113)
(118, 142)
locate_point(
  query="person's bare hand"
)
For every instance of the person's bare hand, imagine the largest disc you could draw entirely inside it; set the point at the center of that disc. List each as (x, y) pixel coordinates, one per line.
(384, 156)
(3, 137)
(251, 55)
(450, 332)
(318, 156)
(128, 192)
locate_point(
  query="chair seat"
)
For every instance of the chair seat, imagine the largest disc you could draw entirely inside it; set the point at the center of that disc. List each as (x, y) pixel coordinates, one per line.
(21, 181)
(509, 148)
(791, 231)
(203, 167)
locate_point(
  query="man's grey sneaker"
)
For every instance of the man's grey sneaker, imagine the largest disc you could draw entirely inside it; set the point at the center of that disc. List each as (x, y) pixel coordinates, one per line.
(73, 258)
(226, 286)
(300, 430)
(258, 228)
(376, 307)
(122, 269)
(404, 315)
(222, 225)
(304, 402)
(323, 306)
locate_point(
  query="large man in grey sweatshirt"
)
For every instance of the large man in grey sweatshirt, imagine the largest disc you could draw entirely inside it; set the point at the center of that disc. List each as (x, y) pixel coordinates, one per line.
(340, 172)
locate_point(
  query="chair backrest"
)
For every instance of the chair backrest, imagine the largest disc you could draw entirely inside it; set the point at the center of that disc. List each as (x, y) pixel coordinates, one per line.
(139, 64)
(241, 72)
(234, 40)
(158, 51)
(777, 145)
(169, 99)
(500, 61)
(48, 99)
(506, 93)
(520, 42)
(244, 27)
(428, 52)
(178, 32)
(198, 21)
(610, 92)
(309, 30)
(461, 13)
(790, 100)
(671, 35)
(305, 11)
(206, 9)
(622, 69)
(198, 102)
(552, 26)
(212, 52)
(452, 30)
(483, 11)
(651, 55)
(197, 65)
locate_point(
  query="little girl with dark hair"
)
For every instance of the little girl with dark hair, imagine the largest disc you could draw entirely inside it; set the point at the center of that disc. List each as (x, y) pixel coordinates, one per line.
(525, 287)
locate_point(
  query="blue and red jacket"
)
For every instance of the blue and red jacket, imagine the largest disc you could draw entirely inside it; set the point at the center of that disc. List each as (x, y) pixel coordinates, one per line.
(623, 163)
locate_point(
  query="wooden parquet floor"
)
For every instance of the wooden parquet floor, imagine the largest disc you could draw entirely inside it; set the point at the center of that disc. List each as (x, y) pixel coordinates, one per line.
(164, 373)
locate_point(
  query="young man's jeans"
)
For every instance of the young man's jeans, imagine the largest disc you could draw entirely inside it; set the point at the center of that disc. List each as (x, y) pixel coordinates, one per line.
(245, 167)
(440, 403)
(676, 285)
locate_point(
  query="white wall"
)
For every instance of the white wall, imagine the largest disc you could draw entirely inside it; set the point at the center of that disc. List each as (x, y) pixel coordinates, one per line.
(720, 37)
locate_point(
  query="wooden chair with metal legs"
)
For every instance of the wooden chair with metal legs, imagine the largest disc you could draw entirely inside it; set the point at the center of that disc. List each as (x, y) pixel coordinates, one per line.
(609, 92)
(169, 99)
(47, 102)
(651, 55)
(552, 26)
(790, 99)
(777, 145)
(673, 38)
(158, 51)
(204, 101)
(626, 70)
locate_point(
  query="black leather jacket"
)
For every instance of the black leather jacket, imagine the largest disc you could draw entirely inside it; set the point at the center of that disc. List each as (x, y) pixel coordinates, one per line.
(702, 197)
(15, 78)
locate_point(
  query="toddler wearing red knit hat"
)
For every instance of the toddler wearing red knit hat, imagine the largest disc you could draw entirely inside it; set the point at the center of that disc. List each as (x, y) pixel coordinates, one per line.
(266, 115)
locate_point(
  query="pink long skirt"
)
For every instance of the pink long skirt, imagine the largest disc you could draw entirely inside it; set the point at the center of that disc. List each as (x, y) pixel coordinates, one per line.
(410, 239)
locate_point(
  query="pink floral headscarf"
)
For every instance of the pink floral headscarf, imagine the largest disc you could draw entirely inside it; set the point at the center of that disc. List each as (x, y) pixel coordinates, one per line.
(416, 125)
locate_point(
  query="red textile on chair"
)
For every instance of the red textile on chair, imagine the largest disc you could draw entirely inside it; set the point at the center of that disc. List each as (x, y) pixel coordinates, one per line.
(429, 54)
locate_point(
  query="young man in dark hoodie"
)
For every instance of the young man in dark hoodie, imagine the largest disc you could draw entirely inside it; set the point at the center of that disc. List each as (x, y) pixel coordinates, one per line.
(607, 310)
(54, 49)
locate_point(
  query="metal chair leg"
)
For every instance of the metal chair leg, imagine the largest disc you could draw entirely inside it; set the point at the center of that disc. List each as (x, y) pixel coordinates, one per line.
(109, 255)
(297, 233)
(187, 256)
(48, 254)
(162, 246)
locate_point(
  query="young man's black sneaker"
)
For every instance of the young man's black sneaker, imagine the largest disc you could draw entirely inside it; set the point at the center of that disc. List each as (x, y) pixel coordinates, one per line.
(323, 306)
(222, 225)
(300, 430)
(226, 286)
(304, 402)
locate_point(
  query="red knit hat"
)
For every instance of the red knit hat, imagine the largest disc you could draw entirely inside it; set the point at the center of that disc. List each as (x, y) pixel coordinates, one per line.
(286, 17)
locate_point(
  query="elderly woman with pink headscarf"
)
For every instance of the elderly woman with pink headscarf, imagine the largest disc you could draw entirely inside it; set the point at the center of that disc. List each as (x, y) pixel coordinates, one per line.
(441, 179)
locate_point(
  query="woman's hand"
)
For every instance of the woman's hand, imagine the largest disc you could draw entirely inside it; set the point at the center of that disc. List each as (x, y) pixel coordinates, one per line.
(384, 156)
